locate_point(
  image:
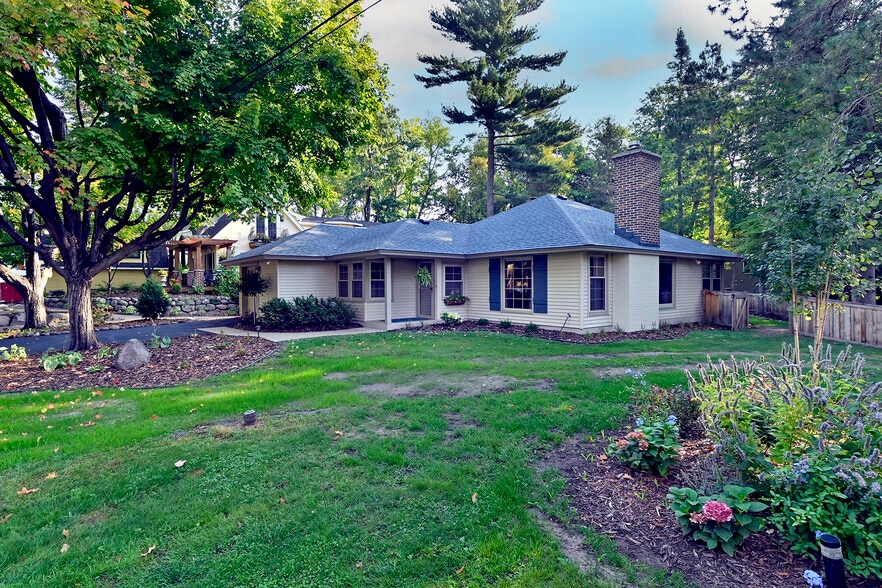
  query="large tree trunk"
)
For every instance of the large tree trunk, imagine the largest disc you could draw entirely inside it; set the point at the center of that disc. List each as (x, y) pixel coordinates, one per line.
(491, 171)
(82, 327)
(31, 291)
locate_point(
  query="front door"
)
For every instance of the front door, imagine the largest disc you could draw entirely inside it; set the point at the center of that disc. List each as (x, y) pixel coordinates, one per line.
(424, 298)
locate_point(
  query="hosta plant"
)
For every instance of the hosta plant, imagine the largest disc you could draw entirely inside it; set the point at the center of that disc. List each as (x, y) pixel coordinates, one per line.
(724, 520)
(653, 447)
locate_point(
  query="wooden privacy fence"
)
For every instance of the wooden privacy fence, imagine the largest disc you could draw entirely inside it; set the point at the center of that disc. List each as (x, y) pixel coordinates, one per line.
(726, 309)
(847, 322)
(765, 305)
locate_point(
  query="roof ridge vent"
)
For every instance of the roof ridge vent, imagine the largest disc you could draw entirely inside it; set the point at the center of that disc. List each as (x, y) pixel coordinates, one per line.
(559, 197)
(423, 221)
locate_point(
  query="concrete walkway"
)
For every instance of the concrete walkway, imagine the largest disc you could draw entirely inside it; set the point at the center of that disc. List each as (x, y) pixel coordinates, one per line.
(288, 336)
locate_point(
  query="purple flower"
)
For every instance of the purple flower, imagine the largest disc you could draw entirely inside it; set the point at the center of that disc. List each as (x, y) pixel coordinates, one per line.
(640, 422)
(813, 579)
(672, 420)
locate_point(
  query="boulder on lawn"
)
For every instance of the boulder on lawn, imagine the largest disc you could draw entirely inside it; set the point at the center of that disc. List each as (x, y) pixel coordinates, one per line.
(132, 355)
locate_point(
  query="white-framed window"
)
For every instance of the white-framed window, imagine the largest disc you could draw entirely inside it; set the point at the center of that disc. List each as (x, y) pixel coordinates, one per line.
(665, 280)
(711, 276)
(343, 280)
(596, 283)
(378, 279)
(357, 280)
(518, 283)
(453, 283)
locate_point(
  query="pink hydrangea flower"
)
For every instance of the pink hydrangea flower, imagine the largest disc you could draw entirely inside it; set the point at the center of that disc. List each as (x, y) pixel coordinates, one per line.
(698, 518)
(621, 443)
(717, 511)
(643, 445)
(635, 435)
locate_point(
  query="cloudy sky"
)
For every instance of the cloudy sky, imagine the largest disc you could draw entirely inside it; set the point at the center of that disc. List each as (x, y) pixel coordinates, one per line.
(617, 50)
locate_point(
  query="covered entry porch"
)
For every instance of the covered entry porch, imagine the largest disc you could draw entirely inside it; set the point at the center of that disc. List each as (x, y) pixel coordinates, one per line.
(193, 261)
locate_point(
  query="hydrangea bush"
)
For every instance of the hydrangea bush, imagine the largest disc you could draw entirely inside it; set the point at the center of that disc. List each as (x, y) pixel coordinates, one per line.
(724, 520)
(652, 447)
(814, 450)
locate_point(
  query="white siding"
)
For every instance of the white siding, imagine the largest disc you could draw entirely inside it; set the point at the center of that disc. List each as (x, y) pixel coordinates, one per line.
(635, 292)
(270, 272)
(304, 278)
(566, 292)
(404, 288)
(687, 294)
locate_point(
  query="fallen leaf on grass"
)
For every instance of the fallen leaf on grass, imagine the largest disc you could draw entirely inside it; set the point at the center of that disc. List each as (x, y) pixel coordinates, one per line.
(66, 533)
(180, 464)
(460, 570)
(282, 501)
(64, 548)
(25, 490)
(51, 476)
(337, 435)
(475, 498)
(153, 417)
(6, 518)
(359, 565)
(149, 550)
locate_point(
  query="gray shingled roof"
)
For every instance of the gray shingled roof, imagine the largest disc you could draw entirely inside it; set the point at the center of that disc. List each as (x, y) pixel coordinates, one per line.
(545, 223)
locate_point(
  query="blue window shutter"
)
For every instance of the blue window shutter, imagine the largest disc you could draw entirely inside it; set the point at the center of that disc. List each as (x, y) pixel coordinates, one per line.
(540, 288)
(495, 284)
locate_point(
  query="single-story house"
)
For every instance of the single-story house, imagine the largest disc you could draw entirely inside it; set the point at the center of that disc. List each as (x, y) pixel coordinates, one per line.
(553, 262)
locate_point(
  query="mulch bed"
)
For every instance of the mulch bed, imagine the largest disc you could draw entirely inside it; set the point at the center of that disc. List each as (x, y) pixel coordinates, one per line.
(630, 507)
(187, 359)
(663, 334)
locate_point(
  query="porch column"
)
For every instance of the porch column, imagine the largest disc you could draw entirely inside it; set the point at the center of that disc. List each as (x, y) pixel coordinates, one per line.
(387, 275)
(197, 270)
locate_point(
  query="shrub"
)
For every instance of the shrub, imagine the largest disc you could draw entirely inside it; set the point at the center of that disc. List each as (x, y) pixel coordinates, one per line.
(12, 353)
(505, 324)
(482, 322)
(654, 402)
(649, 447)
(153, 300)
(531, 328)
(197, 289)
(451, 318)
(176, 288)
(724, 520)
(306, 312)
(226, 282)
(101, 312)
(813, 449)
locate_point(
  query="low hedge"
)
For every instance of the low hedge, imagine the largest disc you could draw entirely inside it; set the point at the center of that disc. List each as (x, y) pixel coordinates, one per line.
(306, 312)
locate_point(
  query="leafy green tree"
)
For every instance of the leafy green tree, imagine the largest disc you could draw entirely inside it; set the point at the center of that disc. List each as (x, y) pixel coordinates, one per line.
(592, 180)
(810, 84)
(810, 239)
(161, 114)
(515, 112)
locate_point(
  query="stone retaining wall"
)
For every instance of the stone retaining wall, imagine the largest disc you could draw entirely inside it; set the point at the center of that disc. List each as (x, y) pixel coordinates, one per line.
(181, 304)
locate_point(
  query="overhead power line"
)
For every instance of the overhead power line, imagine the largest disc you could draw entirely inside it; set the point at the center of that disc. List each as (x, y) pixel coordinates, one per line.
(235, 85)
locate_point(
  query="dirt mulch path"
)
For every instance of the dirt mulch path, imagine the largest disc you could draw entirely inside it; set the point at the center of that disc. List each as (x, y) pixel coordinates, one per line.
(630, 507)
(187, 359)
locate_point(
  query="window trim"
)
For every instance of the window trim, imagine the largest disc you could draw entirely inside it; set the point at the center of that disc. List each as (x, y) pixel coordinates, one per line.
(378, 281)
(532, 285)
(708, 267)
(343, 281)
(460, 281)
(354, 280)
(605, 282)
(673, 264)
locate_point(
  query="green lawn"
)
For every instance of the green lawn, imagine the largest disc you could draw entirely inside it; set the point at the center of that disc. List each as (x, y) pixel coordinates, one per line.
(401, 459)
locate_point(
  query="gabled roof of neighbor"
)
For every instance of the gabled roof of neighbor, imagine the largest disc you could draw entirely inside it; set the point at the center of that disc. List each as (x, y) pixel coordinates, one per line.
(543, 224)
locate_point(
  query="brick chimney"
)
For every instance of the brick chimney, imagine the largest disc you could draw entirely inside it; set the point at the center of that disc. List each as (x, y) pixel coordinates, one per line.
(637, 188)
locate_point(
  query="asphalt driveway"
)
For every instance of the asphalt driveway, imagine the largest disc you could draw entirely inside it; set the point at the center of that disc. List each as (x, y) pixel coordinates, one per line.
(42, 343)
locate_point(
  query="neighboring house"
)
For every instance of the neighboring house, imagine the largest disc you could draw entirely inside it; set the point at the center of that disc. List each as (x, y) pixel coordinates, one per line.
(551, 261)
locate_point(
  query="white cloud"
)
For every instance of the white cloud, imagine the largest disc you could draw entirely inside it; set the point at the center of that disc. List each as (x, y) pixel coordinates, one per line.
(400, 29)
(622, 67)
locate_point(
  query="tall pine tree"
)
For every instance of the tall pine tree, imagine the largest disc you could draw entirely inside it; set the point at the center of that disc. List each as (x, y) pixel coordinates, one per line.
(511, 111)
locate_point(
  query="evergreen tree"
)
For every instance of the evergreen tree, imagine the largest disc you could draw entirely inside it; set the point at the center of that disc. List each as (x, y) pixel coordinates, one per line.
(512, 111)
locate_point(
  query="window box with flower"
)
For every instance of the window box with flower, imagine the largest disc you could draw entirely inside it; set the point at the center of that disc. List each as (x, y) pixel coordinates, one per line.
(455, 299)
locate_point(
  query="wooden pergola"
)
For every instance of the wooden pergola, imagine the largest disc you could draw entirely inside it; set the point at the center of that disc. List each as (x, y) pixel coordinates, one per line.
(188, 253)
